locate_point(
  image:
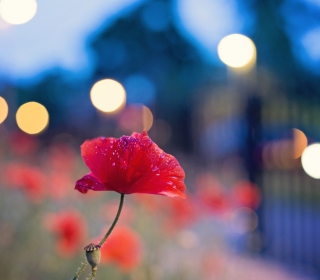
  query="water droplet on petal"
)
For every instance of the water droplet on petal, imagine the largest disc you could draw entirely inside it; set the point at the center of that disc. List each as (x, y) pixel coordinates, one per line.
(156, 168)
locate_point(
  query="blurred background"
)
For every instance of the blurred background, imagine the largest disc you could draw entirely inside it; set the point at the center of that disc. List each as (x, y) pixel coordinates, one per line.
(229, 87)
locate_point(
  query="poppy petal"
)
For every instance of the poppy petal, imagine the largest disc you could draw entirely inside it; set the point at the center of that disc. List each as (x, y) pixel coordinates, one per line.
(99, 156)
(164, 176)
(89, 182)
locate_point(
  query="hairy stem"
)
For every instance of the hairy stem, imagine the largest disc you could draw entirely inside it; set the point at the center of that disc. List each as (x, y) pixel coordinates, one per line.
(80, 270)
(92, 275)
(84, 264)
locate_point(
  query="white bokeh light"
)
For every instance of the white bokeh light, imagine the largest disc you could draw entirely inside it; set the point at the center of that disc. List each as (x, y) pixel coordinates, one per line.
(237, 50)
(18, 11)
(207, 21)
(108, 95)
(310, 160)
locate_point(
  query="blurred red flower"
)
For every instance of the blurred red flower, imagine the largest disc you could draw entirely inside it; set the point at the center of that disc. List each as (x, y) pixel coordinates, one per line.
(211, 194)
(59, 184)
(130, 164)
(23, 144)
(246, 194)
(61, 157)
(29, 178)
(123, 248)
(70, 230)
(179, 214)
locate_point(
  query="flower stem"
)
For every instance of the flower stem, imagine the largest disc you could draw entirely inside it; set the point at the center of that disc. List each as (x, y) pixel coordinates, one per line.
(114, 221)
(80, 270)
(84, 264)
(92, 275)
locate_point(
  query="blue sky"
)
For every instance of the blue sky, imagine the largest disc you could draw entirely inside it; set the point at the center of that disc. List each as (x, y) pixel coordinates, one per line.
(55, 37)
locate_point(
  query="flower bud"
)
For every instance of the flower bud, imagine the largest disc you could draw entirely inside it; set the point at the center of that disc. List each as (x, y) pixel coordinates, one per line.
(93, 254)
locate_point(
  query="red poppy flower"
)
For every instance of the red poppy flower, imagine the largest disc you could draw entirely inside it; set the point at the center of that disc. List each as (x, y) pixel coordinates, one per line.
(69, 227)
(123, 248)
(29, 178)
(130, 164)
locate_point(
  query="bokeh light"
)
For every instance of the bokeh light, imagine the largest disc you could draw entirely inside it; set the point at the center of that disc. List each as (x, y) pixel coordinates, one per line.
(4, 109)
(284, 153)
(135, 118)
(147, 118)
(310, 160)
(108, 95)
(237, 50)
(244, 220)
(300, 142)
(18, 11)
(32, 117)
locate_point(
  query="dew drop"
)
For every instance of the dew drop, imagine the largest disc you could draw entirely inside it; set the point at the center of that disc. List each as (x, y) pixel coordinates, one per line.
(156, 168)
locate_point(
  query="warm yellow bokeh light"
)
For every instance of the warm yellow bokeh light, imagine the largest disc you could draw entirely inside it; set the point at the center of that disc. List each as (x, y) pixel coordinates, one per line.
(18, 11)
(310, 160)
(32, 117)
(237, 50)
(135, 117)
(108, 95)
(4, 109)
(147, 118)
(300, 142)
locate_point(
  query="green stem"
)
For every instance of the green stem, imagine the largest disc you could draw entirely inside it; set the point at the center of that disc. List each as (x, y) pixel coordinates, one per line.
(92, 275)
(114, 221)
(84, 264)
(80, 270)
